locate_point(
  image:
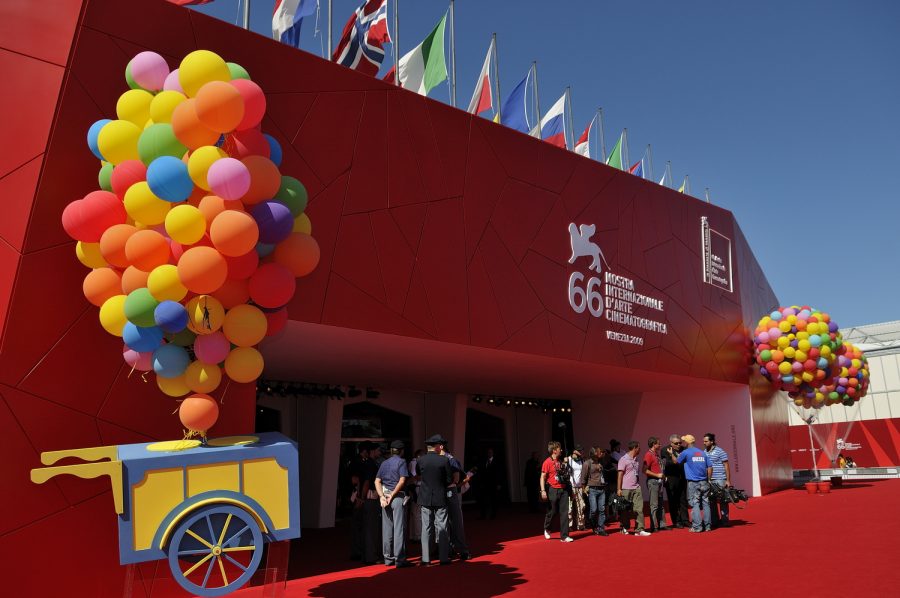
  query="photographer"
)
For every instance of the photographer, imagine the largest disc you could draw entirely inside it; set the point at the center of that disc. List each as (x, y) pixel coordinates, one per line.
(676, 487)
(721, 477)
(556, 474)
(629, 486)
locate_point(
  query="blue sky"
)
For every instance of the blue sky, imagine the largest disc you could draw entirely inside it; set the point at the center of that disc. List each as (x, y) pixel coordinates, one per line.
(788, 111)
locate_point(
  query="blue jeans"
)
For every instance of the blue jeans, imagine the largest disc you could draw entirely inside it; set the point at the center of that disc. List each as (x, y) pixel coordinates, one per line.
(597, 505)
(718, 509)
(698, 499)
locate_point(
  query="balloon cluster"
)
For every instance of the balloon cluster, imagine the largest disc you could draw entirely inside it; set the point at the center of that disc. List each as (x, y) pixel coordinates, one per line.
(195, 239)
(851, 378)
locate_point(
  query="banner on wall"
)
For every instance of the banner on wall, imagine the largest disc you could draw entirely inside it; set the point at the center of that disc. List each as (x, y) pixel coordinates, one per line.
(871, 443)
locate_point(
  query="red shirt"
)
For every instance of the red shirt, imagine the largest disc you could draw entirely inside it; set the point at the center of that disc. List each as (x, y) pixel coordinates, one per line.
(651, 462)
(549, 467)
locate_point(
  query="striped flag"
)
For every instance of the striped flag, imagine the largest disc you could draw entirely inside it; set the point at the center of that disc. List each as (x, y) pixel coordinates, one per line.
(582, 146)
(615, 157)
(188, 2)
(287, 16)
(637, 169)
(553, 125)
(482, 98)
(424, 67)
(361, 46)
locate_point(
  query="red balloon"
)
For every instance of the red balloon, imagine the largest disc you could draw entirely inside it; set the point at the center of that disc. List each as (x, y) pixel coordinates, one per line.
(272, 286)
(242, 266)
(254, 103)
(232, 292)
(126, 174)
(250, 142)
(88, 218)
(277, 321)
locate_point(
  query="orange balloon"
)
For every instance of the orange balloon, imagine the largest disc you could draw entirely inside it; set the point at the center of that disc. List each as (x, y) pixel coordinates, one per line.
(213, 205)
(133, 279)
(265, 179)
(202, 270)
(234, 233)
(233, 293)
(147, 249)
(202, 377)
(198, 412)
(103, 283)
(298, 253)
(243, 266)
(187, 127)
(112, 244)
(220, 106)
(244, 364)
(245, 325)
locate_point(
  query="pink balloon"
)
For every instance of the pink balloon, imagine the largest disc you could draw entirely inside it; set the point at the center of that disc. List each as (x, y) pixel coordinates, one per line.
(142, 362)
(172, 83)
(149, 70)
(212, 348)
(228, 178)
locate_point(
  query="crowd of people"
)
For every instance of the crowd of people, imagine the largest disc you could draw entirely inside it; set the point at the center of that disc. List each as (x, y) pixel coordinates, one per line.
(419, 500)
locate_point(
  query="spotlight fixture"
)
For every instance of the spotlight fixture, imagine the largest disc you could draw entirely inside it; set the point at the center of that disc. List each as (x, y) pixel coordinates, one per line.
(477, 398)
(353, 392)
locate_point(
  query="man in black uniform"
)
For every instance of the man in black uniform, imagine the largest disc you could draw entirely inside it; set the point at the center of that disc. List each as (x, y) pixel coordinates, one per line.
(435, 476)
(676, 485)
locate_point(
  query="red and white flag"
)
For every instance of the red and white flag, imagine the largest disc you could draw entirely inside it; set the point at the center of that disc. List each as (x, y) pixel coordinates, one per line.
(482, 98)
(361, 46)
(582, 146)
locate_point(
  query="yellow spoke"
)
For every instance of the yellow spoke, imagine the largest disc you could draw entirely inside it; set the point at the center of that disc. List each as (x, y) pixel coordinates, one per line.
(237, 548)
(222, 569)
(224, 529)
(200, 562)
(199, 539)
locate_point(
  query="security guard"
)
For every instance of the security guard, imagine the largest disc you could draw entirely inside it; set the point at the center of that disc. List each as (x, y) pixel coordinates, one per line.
(389, 483)
(434, 479)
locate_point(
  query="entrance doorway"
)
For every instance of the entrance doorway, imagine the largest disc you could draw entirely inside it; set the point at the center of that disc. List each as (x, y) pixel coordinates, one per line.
(483, 432)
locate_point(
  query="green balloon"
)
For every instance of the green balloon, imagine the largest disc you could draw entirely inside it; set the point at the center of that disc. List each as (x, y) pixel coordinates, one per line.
(129, 79)
(105, 176)
(139, 306)
(292, 193)
(159, 140)
(237, 71)
(185, 338)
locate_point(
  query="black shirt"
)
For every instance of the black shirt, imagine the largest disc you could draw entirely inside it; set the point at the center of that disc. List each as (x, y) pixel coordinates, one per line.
(671, 468)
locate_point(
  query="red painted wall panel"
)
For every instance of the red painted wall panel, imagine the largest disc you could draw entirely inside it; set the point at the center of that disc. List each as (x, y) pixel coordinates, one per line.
(871, 443)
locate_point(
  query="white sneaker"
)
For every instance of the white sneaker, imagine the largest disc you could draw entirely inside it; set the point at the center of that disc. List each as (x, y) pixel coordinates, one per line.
(625, 531)
(567, 539)
(642, 533)
(546, 534)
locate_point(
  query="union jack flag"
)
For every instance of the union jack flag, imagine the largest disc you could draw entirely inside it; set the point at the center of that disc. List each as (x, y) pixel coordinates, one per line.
(361, 42)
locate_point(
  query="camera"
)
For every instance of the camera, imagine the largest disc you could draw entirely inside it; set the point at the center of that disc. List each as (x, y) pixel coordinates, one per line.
(620, 504)
(726, 495)
(563, 474)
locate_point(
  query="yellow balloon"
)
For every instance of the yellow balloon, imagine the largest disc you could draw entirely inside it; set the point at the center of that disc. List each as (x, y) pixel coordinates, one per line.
(134, 106)
(174, 387)
(199, 68)
(783, 342)
(202, 377)
(89, 254)
(302, 224)
(244, 364)
(205, 315)
(200, 161)
(164, 284)
(164, 104)
(142, 205)
(784, 326)
(185, 224)
(112, 315)
(245, 325)
(118, 141)
(784, 367)
(825, 351)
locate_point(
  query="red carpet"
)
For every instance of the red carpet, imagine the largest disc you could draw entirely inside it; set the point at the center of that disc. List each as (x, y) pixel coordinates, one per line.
(841, 544)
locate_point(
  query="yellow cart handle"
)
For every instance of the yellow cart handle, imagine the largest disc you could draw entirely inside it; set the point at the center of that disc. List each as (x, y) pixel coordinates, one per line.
(85, 471)
(96, 453)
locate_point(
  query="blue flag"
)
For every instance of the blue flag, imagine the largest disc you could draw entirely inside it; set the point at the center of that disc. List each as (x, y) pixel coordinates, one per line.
(513, 112)
(287, 17)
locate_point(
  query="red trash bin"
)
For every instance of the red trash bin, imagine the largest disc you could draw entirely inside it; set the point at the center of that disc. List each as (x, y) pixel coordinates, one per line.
(824, 487)
(811, 487)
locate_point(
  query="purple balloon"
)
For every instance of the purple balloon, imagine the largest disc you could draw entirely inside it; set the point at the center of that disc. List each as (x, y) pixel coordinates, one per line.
(172, 83)
(274, 220)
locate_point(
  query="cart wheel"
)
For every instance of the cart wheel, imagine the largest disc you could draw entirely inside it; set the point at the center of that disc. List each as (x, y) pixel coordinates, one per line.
(215, 551)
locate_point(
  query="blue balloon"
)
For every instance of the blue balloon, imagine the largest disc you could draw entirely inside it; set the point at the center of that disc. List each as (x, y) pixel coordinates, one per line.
(815, 340)
(168, 178)
(142, 340)
(170, 316)
(94, 134)
(775, 315)
(264, 249)
(170, 361)
(275, 153)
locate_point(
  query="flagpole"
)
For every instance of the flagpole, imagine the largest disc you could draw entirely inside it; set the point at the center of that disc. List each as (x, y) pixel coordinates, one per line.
(601, 139)
(668, 172)
(627, 164)
(649, 162)
(687, 185)
(396, 42)
(537, 99)
(707, 195)
(496, 75)
(247, 15)
(569, 118)
(329, 31)
(452, 56)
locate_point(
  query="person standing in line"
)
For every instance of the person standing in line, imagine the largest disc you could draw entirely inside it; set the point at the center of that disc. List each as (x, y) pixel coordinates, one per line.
(531, 479)
(553, 473)
(615, 450)
(489, 485)
(457, 527)
(415, 513)
(434, 479)
(576, 514)
(673, 474)
(653, 471)
(610, 475)
(721, 477)
(593, 479)
(629, 486)
(697, 470)
(390, 482)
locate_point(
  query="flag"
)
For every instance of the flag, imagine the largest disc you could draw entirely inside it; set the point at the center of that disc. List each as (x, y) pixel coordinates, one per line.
(553, 125)
(482, 98)
(514, 113)
(683, 186)
(582, 146)
(662, 181)
(424, 67)
(361, 44)
(287, 16)
(188, 2)
(615, 157)
(637, 169)
(389, 76)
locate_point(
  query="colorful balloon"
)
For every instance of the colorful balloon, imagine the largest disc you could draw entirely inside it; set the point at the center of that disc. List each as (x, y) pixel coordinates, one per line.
(220, 106)
(199, 68)
(198, 413)
(202, 269)
(149, 70)
(88, 218)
